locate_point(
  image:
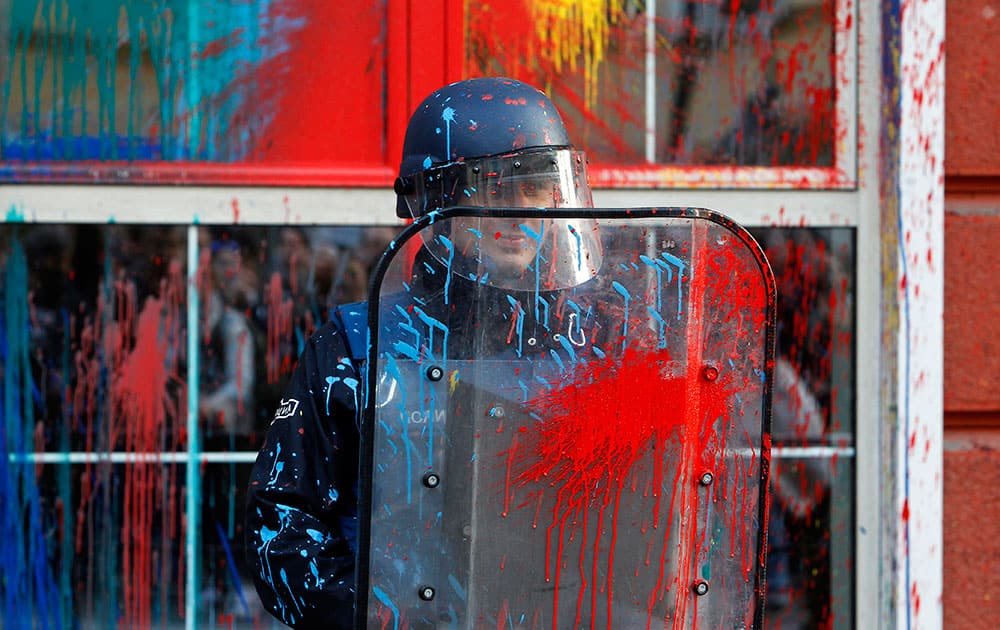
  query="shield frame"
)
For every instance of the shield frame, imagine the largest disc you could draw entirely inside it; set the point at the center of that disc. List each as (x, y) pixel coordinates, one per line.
(370, 380)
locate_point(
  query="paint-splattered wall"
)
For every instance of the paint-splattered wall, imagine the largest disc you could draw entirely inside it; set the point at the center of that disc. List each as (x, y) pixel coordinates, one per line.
(95, 344)
(95, 334)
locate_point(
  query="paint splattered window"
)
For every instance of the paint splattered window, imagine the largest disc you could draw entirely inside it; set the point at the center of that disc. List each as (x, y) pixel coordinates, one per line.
(98, 474)
(142, 86)
(745, 93)
(100, 479)
(97, 337)
(693, 83)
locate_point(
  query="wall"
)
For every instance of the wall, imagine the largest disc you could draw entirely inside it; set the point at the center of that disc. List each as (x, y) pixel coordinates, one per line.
(972, 328)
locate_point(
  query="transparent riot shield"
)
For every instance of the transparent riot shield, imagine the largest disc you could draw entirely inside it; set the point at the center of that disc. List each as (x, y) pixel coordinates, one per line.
(567, 423)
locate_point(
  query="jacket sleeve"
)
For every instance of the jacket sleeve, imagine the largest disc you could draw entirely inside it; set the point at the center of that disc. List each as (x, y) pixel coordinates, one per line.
(301, 513)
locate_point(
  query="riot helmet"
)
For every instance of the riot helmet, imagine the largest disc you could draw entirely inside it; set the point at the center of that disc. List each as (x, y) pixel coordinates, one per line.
(499, 143)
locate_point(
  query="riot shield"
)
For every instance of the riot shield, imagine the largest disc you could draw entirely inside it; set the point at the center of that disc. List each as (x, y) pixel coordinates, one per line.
(567, 422)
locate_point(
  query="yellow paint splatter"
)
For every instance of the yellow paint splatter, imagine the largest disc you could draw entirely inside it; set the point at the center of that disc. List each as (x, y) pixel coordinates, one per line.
(571, 29)
(452, 381)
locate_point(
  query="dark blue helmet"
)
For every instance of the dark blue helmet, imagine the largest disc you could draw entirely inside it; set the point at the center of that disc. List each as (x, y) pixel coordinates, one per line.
(488, 142)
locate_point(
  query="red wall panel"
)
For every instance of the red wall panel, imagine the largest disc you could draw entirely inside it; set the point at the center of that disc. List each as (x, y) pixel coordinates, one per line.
(971, 315)
(337, 85)
(972, 106)
(971, 596)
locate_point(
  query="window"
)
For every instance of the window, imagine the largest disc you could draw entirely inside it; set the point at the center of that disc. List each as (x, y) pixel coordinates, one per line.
(657, 91)
(187, 91)
(689, 95)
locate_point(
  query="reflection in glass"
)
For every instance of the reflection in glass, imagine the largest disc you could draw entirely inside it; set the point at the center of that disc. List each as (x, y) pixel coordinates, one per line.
(93, 432)
(810, 540)
(94, 355)
(673, 82)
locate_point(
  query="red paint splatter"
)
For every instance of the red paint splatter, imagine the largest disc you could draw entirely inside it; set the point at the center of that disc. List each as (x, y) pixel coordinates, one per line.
(279, 327)
(146, 406)
(600, 433)
(220, 45)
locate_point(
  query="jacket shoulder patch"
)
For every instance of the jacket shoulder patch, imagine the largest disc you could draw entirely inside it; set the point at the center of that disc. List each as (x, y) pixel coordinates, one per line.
(286, 409)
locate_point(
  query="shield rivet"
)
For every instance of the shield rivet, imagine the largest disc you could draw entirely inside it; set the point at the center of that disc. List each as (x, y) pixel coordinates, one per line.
(427, 593)
(707, 478)
(710, 372)
(432, 480)
(532, 341)
(435, 373)
(700, 587)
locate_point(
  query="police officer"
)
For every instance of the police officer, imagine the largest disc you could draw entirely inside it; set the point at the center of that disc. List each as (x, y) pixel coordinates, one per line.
(480, 142)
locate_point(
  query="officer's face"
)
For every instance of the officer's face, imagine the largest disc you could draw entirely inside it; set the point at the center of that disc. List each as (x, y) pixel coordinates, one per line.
(509, 245)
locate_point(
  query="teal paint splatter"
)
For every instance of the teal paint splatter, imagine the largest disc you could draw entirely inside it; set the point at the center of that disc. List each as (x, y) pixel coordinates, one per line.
(193, 84)
(28, 590)
(14, 215)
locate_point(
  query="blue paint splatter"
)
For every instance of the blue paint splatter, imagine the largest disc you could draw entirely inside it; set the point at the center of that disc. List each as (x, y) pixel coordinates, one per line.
(448, 115)
(625, 294)
(387, 602)
(28, 586)
(457, 587)
(206, 58)
(680, 265)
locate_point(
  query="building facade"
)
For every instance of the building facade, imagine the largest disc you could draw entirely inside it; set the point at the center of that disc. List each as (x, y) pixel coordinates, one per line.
(190, 185)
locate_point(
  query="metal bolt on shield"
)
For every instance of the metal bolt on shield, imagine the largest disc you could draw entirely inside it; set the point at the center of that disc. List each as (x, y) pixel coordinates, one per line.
(700, 587)
(710, 372)
(706, 478)
(431, 480)
(427, 593)
(435, 373)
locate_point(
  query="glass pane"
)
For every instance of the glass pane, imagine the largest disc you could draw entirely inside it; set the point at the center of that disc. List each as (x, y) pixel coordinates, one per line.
(93, 343)
(263, 291)
(811, 539)
(78, 303)
(93, 421)
(188, 81)
(99, 313)
(711, 82)
(227, 595)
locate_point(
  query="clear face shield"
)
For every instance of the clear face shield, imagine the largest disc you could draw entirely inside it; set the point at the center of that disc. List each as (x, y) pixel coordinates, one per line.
(511, 253)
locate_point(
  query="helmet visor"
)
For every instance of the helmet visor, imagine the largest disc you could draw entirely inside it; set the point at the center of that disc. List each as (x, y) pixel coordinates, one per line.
(514, 254)
(551, 177)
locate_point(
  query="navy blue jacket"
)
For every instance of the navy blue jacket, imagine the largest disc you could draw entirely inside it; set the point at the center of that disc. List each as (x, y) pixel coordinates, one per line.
(301, 518)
